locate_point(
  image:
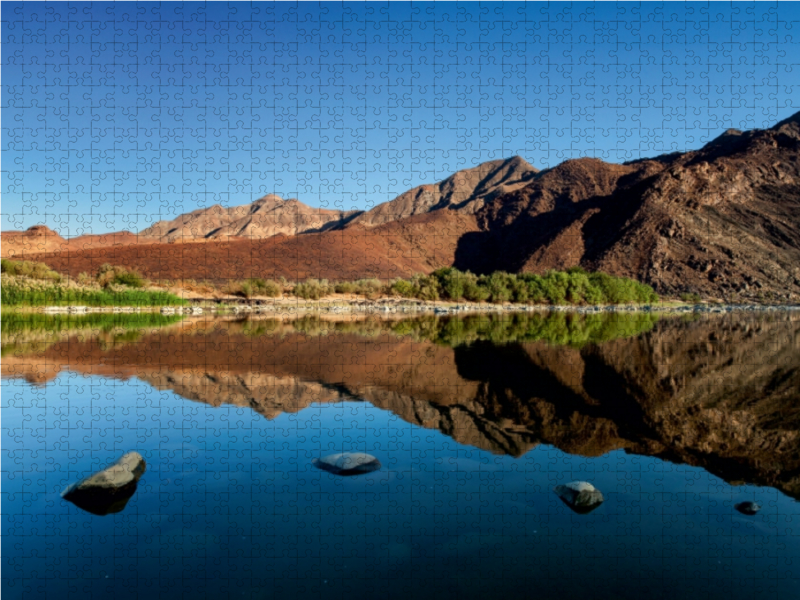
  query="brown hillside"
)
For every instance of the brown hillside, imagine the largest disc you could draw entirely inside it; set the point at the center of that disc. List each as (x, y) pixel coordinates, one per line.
(417, 244)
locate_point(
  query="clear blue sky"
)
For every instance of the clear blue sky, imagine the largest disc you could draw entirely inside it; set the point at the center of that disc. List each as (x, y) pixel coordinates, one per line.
(118, 115)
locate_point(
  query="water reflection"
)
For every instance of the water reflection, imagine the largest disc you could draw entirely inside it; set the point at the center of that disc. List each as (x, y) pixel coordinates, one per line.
(476, 424)
(720, 393)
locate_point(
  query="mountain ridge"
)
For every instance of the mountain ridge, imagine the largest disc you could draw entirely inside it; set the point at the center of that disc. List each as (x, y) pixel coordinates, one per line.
(722, 221)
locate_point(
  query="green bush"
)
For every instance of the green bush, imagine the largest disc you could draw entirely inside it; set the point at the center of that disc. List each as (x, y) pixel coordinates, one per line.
(27, 268)
(692, 297)
(426, 287)
(402, 288)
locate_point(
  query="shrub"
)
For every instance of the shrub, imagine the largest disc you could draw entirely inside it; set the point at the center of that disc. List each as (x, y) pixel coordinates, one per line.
(369, 288)
(693, 297)
(345, 287)
(402, 288)
(27, 268)
(312, 289)
(425, 287)
(109, 275)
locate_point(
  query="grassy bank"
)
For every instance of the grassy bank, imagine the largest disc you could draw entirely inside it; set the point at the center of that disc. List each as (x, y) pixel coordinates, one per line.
(34, 284)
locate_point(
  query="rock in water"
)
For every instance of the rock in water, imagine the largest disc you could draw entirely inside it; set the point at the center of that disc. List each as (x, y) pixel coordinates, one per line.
(348, 463)
(109, 490)
(580, 496)
(748, 508)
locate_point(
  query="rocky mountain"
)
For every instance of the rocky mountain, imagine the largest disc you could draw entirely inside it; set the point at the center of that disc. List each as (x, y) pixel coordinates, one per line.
(722, 221)
(466, 191)
(266, 217)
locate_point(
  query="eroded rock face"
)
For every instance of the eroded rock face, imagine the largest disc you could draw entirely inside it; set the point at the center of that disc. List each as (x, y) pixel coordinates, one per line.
(580, 496)
(348, 463)
(109, 490)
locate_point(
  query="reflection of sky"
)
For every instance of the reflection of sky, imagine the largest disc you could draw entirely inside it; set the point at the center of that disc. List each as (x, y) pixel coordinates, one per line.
(234, 495)
(118, 115)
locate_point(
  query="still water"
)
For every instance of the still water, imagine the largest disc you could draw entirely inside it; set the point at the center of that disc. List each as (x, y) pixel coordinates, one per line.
(474, 422)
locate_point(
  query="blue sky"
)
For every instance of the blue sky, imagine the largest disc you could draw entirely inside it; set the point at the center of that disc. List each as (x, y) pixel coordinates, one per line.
(117, 115)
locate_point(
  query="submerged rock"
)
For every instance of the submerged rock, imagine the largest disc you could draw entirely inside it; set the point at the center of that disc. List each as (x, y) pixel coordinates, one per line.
(348, 463)
(580, 496)
(109, 490)
(748, 508)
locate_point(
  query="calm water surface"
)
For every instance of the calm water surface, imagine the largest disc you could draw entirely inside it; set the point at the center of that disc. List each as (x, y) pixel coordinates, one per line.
(474, 421)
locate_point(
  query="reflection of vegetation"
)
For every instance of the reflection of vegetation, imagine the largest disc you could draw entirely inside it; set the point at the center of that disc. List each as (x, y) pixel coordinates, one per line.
(563, 329)
(15, 323)
(32, 331)
(554, 328)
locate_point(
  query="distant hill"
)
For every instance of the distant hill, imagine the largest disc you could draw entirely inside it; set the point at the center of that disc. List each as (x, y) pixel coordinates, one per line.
(723, 221)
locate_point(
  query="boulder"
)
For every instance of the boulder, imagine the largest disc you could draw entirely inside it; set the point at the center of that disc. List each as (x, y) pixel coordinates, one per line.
(748, 508)
(348, 463)
(109, 490)
(580, 496)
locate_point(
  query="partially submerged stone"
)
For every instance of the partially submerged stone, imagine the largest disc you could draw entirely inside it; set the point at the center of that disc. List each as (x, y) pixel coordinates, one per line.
(580, 496)
(748, 508)
(348, 463)
(109, 490)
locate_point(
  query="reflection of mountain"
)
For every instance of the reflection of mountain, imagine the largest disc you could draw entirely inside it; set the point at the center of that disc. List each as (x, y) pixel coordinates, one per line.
(718, 393)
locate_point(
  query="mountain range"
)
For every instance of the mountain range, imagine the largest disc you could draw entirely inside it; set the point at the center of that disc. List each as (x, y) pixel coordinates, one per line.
(721, 221)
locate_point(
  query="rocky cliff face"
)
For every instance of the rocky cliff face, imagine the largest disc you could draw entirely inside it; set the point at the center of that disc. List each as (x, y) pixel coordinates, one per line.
(721, 393)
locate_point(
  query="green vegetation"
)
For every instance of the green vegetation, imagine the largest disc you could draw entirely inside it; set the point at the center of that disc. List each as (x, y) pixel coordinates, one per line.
(35, 284)
(14, 295)
(692, 297)
(574, 286)
(24, 291)
(26, 268)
